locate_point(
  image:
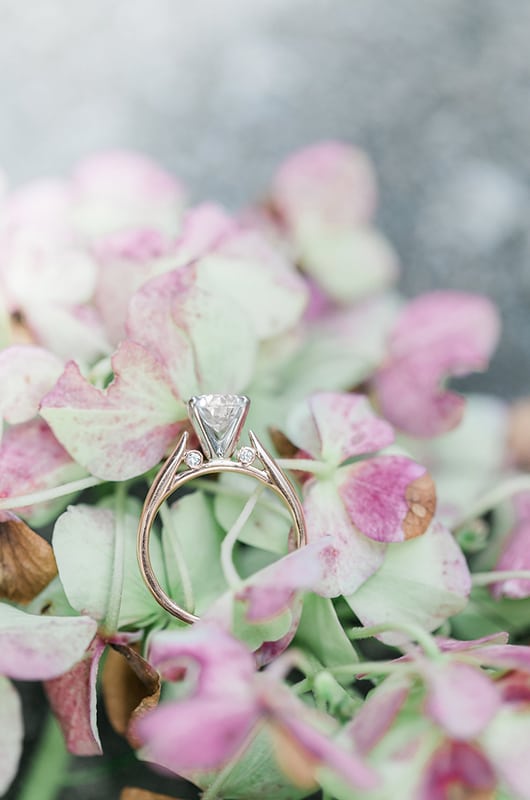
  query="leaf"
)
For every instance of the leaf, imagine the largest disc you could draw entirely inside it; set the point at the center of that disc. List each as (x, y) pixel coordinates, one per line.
(27, 563)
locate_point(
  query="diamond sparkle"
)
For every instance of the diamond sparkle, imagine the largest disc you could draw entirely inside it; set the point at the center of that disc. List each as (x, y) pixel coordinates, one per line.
(217, 420)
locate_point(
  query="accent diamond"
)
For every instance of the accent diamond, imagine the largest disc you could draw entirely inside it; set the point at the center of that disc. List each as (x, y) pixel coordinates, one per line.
(246, 455)
(217, 420)
(193, 459)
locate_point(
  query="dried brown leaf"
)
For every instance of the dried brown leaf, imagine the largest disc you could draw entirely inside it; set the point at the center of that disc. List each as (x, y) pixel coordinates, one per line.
(27, 563)
(131, 687)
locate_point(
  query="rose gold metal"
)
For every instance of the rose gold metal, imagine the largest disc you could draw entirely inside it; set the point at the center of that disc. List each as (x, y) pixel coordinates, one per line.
(169, 480)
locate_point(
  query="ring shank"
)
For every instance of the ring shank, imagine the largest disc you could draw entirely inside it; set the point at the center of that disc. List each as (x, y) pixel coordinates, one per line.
(165, 485)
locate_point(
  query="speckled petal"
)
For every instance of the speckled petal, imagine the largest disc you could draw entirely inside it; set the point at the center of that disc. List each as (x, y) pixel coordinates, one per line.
(206, 343)
(388, 498)
(349, 558)
(438, 335)
(334, 427)
(123, 430)
(26, 374)
(38, 648)
(73, 700)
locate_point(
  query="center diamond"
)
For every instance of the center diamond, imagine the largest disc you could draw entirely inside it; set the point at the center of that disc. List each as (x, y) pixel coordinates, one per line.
(217, 420)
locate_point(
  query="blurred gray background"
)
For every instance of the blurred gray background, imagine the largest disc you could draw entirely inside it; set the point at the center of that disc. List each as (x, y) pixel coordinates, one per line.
(220, 90)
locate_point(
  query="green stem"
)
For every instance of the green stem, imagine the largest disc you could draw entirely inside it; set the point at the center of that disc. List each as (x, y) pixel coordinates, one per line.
(180, 559)
(48, 766)
(118, 562)
(518, 483)
(49, 494)
(371, 667)
(485, 578)
(414, 632)
(227, 547)
(320, 468)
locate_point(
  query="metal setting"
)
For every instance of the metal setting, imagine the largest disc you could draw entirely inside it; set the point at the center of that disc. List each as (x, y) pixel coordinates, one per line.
(217, 434)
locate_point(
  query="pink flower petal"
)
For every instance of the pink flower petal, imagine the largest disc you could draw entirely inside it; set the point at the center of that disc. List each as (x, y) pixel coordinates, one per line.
(350, 558)
(461, 698)
(378, 713)
(437, 335)
(271, 591)
(503, 656)
(199, 734)
(203, 228)
(31, 459)
(461, 768)
(38, 648)
(422, 581)
(73, 700)
(327, 184)
(26, 374)
(207, 727)
(123, 430)
(11, 733)
(388, 498)
(334, 427)
(216, 663)
(118, 189)
(205, 343)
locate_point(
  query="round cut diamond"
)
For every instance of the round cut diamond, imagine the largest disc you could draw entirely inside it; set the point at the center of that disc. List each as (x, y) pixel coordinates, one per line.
(193, 459)
(217, 420)
(246, 455)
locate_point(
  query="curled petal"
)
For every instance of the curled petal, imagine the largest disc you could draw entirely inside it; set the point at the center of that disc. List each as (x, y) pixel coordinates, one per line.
(38, 648)
(437, 335)
(461, 766)
(123, 430)
(335, 427)
(349, 558)
(27, 563)
(205, 343)
(199, 734)
(378, 712)
(461, 699)
(31, 459)
(11, 733)
(423, 581)
(270, 592)
(73, 700)
(118, 189)
(217, 663)
(388, 498)
(26, 374)
(329, 184)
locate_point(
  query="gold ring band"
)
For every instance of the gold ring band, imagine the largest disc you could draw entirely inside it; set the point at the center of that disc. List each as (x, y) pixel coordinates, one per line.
(218, 446)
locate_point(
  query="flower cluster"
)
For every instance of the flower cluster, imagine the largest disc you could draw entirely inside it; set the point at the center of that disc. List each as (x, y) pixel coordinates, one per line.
(118, 303)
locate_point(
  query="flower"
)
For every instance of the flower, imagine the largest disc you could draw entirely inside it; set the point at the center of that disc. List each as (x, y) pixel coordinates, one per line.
(436, 335)
(474, 725)
(223, 702)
